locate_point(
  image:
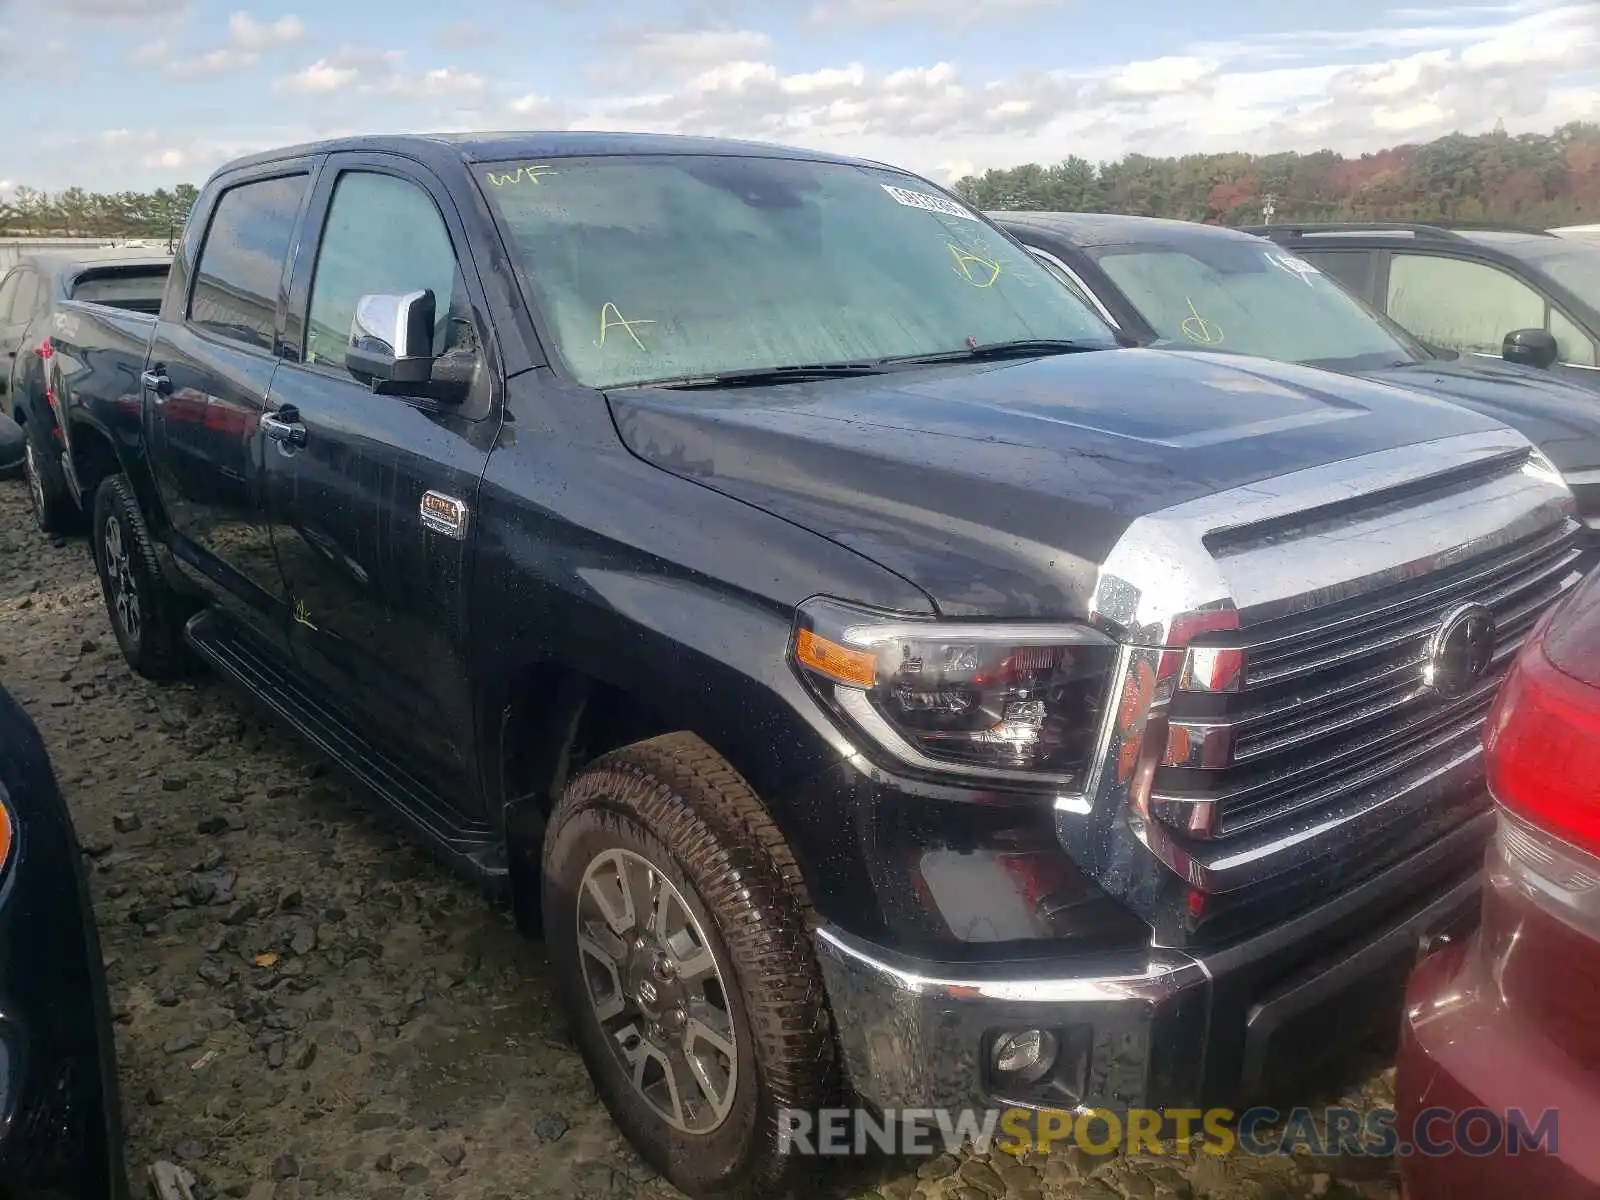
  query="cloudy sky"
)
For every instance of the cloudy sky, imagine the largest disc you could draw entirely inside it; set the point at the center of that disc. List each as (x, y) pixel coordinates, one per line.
(113, 94)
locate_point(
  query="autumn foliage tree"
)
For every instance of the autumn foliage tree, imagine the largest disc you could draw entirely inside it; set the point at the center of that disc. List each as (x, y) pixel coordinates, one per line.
(1535, 180)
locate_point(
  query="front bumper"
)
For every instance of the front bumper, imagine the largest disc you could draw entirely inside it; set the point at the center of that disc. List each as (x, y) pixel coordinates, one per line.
(60, 1121)
(1249, 1023)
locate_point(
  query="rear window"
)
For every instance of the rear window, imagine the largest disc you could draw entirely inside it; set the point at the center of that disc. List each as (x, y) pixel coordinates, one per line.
(137, 289)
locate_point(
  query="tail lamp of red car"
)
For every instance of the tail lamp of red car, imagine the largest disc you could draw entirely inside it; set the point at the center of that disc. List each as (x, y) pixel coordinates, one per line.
(1543, 759)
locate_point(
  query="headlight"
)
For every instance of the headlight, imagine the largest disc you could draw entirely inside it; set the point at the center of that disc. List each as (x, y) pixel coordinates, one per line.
(5, 833)
(1019, 703)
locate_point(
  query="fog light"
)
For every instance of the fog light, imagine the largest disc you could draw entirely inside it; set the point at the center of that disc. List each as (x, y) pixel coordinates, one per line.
(1028, 1054)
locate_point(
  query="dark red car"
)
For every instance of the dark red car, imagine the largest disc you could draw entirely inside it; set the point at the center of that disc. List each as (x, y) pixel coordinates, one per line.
(1498, 1088)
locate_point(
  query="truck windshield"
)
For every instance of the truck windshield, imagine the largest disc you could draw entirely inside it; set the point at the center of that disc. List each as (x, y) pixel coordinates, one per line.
(653, 268)
(1251, 297)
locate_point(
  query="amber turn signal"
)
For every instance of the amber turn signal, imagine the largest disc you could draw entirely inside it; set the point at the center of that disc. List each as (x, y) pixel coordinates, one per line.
(858, 668)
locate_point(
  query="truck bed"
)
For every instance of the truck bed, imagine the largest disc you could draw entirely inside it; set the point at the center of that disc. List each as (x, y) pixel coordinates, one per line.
(99, 354)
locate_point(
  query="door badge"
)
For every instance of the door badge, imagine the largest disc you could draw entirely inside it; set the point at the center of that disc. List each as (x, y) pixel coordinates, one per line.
(444, 514)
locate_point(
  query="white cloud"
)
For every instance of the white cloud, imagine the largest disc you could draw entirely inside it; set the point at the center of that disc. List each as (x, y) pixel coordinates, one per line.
(527, 106)
(118, 10)
(247, 34)
(686, 49)
(1404, 78)
(149, 53)
(461, 34)
(319, 78)
(1250, 94)
(443, 81)
(1162, 76)
(248, 40)
(960, 12)
(170, 159)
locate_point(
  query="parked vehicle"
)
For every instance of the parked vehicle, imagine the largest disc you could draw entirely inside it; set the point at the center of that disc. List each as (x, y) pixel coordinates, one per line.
(60, 1121)
(1522, 295)
(857, 668)
(1501, 1022)
(31, 296)
(1182, 285)
(11, 447)
(1586, 233)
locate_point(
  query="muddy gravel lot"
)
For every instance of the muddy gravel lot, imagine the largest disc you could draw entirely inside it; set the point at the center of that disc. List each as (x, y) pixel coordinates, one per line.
(307, 1005)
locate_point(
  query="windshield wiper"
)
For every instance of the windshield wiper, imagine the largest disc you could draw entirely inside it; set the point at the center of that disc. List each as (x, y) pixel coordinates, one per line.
(1021, 348)
(767, 375)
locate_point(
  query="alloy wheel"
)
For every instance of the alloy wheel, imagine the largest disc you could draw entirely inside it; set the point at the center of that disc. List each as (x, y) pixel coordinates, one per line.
(656, 989)
(120, 581)
(30, 469)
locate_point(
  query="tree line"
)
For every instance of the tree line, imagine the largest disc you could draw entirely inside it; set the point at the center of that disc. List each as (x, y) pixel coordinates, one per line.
(1535, 180)
(76, 212)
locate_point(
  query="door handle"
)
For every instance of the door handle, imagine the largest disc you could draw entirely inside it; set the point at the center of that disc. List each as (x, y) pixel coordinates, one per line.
(157, 381)
(284, 426)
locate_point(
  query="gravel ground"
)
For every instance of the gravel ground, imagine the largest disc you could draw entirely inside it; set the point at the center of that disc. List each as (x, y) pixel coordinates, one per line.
(307, 1005)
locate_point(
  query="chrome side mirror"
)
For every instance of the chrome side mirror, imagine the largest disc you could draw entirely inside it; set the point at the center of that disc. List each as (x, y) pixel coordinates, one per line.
(391, 337)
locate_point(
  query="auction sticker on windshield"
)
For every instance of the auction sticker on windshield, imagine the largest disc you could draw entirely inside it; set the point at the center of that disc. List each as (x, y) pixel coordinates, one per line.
(927, 203)
(1297, 267)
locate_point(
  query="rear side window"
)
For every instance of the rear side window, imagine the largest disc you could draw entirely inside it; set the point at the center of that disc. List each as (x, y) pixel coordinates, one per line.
(27, 297)
(8, 296)
(241, 261)
(138, 289)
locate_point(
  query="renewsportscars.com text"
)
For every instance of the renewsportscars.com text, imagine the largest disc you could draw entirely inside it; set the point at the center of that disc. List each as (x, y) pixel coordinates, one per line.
(1255, 1131)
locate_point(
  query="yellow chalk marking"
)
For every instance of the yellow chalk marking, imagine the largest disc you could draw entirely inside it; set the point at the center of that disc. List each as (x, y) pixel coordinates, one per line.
(1199, 330)
(530, 174)
(617, 320)
(965, 260)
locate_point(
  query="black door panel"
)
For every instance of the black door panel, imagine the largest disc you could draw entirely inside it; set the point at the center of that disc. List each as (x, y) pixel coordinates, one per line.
(376, 597)
(379, 600)
(207, 384)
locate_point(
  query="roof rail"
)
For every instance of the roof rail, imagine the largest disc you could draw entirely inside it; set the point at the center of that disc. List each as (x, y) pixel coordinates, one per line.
(1423, 230)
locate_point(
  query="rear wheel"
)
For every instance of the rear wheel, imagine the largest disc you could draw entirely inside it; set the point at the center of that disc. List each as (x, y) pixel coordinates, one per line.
(53, 509)
(678, 929)
(145, 613)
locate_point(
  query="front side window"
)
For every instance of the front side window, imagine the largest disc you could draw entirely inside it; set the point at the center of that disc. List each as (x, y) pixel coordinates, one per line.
(383, 235)
(1249, 297)
(241, 261)
(684, 266)
(1352, 268)
(1460, 305)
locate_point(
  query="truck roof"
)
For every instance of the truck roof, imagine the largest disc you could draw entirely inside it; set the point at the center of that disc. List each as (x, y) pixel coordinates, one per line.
(1112, 229)
(491, 146)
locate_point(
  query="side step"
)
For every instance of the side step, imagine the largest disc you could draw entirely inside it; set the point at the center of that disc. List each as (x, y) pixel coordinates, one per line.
(471, 847)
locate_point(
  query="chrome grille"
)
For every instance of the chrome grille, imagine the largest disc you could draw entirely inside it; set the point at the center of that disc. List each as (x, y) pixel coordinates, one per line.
(1332, 702)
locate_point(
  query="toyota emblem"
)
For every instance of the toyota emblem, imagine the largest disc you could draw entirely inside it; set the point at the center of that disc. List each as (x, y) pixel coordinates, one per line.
(1460, 651)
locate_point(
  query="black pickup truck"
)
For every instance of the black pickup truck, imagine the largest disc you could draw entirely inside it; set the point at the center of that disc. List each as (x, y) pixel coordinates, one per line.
(862, 671)
(31, 295)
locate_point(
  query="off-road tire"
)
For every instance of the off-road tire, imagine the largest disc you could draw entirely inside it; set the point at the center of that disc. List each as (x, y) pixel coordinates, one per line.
(155, 649)
(677, 803)
(49, 498)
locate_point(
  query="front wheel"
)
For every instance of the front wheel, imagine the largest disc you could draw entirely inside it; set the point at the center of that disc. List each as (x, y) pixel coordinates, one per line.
(144, 611)
(677, 926)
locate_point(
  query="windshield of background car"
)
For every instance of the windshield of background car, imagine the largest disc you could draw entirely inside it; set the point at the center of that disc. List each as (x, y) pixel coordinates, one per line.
(1250, 297)
(684, 266)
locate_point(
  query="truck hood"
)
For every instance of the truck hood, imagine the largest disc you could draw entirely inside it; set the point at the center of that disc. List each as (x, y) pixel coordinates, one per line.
(999, 488)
